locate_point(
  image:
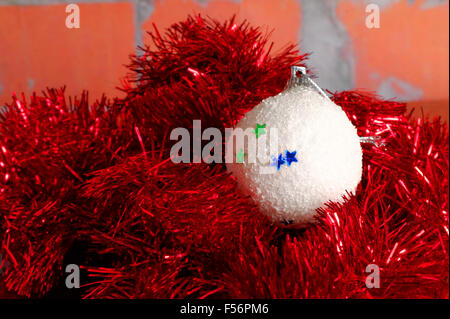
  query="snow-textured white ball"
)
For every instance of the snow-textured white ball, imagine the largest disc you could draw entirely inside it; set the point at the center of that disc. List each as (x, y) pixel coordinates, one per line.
(327, 162)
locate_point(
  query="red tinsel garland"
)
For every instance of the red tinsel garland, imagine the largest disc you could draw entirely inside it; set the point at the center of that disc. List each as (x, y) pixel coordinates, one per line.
(96, 179)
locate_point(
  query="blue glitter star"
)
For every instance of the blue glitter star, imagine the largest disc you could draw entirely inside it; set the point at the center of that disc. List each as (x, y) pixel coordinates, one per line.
(290, 157)
(278, 161)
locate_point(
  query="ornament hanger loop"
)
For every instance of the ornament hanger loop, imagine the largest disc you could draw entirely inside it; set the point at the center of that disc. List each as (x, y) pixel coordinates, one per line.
(374, 140)
(299, 77)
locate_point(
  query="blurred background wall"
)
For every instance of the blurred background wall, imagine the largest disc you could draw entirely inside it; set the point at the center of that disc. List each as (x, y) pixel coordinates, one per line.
(406, 58)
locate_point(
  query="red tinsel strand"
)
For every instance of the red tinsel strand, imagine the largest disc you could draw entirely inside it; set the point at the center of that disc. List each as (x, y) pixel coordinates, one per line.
(203, 69)
(193, 209)
(402, 228)
(47, 148)
(155, 229)
(377, 226)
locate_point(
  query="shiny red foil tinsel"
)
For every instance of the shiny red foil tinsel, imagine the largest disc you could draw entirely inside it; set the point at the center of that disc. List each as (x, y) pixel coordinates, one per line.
(93, 184)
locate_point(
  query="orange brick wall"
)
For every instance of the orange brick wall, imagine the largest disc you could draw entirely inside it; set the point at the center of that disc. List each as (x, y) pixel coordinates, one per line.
(37, 50)
(407, 57)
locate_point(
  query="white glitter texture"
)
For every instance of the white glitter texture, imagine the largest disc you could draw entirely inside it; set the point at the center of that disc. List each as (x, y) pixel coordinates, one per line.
(328, 151)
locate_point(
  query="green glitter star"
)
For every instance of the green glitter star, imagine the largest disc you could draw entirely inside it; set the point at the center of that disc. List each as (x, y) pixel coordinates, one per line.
(240, 156)
(259, 129)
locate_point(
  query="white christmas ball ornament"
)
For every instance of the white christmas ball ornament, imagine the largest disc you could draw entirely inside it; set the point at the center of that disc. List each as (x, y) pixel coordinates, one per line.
(323, 160)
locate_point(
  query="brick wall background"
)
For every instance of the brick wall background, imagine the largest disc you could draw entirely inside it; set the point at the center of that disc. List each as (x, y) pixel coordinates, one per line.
(406, 58)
